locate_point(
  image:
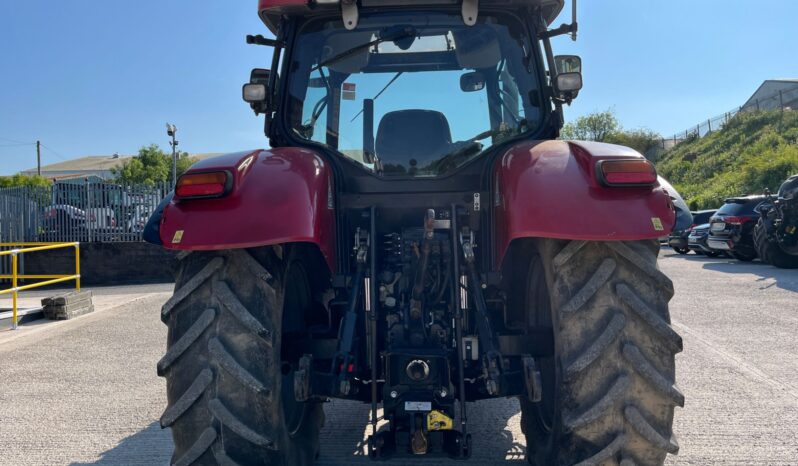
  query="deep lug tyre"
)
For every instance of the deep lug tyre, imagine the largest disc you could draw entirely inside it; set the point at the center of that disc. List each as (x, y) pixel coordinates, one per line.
(229, 390)
(769, 251)
(609, 391)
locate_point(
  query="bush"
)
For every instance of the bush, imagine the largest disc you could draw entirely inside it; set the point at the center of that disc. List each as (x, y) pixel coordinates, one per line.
(753, 151)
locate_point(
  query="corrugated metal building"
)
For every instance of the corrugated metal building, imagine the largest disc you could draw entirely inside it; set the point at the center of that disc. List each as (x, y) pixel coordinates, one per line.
(93, 166)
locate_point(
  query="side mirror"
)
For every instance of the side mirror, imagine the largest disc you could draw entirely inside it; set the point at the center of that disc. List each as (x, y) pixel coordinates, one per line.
(569, 76)
(472, 82)
(256, 92)
(568, 64)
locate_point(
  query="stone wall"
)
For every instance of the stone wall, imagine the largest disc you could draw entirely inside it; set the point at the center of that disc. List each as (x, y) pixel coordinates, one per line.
(107, 263)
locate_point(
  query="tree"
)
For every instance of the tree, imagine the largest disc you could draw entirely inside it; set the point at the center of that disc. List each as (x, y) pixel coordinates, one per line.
(151, 166)
(605, 127)
(643, 140)
(24, 180)
(593, 127)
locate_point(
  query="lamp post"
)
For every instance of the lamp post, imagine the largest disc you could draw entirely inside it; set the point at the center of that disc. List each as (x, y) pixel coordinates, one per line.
(171, 130)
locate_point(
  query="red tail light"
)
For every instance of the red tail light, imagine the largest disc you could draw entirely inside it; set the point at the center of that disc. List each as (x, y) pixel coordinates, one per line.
(626, 173)
(736, 220)
(199, 185)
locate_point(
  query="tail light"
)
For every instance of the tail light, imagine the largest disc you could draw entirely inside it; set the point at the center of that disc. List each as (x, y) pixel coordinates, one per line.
(203, 185)
(626, 173)
(731, 220)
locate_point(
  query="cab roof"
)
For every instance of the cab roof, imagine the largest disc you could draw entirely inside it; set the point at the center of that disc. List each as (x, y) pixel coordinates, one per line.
(270, 11)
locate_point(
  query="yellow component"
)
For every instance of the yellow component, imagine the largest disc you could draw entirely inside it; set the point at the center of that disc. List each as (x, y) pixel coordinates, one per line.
(15, 276)
(790, 229)
(436, 420)
(178, 237)
(657, 223)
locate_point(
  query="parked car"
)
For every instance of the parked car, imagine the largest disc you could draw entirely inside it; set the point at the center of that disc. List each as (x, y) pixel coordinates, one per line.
(732, 227)
(61, 222)
(678, 238)
(697, 241)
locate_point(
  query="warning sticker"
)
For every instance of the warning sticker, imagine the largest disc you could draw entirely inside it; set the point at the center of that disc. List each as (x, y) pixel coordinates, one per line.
(657, 223)
(348, 91)
(178, 237)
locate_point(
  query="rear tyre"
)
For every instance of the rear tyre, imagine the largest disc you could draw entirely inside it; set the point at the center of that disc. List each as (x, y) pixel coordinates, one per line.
(228, 385)
(769, 251)
(608, 387)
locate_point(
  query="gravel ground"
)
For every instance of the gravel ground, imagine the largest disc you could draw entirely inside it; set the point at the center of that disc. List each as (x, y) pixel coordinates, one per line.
(85, 391)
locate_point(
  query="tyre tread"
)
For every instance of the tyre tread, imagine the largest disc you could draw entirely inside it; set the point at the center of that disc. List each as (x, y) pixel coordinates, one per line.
(190, 286)
(187, 399)
(229, 420)
(225, 360)
(186, 340)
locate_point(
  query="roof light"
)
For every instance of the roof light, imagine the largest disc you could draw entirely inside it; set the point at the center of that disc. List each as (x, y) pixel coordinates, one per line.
(200, 185)
(626, 173)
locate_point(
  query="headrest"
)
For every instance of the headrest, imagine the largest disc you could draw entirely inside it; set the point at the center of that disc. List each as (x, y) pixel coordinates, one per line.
(405, 135)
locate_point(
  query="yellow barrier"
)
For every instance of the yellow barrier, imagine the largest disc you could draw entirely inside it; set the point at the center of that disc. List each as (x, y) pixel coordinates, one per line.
(21, 248)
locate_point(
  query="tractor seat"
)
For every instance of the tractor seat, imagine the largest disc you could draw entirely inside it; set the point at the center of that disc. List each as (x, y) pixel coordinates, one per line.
(408, 140)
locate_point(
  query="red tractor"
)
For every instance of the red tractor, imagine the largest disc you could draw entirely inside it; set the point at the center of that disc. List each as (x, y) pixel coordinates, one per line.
(416, 238)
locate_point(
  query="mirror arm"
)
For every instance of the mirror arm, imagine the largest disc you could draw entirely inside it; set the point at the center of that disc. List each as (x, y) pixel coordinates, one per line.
(260, 40)
(271, 97)
(555, 98)
(563, 29)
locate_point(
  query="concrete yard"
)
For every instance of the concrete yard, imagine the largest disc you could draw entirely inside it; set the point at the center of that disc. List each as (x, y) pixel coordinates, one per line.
(84, 391)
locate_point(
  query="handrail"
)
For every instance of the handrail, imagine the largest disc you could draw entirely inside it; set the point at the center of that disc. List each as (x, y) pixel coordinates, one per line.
(21, 248)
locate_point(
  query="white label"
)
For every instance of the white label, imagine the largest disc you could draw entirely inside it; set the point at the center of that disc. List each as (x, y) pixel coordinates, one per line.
(418, 406)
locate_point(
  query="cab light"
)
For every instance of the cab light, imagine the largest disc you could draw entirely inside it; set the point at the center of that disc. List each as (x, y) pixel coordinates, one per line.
(203, 185)
(626, 173)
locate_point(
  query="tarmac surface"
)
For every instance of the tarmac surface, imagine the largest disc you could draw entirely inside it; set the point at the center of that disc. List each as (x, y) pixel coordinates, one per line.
(85, 391)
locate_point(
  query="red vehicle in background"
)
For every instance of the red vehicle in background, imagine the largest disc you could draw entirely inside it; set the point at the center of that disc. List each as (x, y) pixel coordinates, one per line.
(416, 238)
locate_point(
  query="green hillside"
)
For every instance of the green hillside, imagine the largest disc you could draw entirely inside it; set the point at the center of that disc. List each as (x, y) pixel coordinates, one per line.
(753, 151)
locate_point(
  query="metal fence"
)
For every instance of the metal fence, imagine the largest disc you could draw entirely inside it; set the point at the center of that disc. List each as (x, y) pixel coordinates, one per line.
(82, 211)
(782, 100)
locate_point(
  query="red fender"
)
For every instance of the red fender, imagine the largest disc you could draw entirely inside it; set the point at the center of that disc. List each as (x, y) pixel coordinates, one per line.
(283, 195)
(549, 189)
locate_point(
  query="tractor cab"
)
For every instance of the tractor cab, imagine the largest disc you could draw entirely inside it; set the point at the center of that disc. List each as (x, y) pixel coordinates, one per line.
(411, 90)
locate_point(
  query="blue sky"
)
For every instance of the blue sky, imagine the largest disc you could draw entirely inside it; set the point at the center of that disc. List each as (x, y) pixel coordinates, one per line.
(97, 77)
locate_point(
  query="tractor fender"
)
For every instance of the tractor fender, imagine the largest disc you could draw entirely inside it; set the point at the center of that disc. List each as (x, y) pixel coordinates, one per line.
(282, 195)
(549, 189)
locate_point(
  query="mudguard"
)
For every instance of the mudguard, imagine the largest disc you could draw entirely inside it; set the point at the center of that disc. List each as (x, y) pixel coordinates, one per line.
(549, 189)
(283, 195)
